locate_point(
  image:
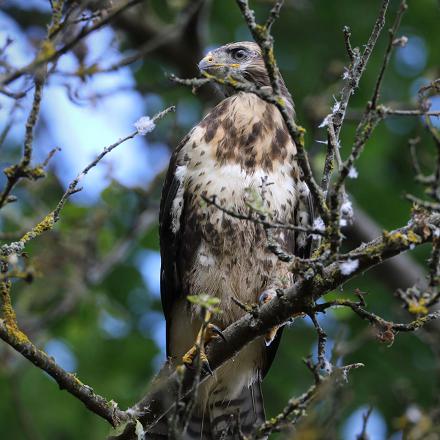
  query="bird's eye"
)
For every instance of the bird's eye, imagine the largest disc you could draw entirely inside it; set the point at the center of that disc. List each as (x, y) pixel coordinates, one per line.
(239, 54)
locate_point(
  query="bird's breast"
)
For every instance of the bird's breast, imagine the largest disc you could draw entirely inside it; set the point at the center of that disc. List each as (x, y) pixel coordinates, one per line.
(238, 163)
(232, 258)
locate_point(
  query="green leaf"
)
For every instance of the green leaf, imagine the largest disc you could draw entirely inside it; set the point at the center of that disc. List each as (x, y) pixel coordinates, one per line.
(207, 301)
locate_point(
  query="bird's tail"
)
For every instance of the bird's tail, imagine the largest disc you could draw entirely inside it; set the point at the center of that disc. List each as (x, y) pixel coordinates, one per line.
(229, 418)
(223, 418)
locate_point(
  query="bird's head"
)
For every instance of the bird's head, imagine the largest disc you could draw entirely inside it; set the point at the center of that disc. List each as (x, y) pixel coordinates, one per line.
(241, 61)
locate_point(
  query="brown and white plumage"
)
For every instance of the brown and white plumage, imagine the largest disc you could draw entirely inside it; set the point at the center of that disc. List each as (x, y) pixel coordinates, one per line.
(240, 151)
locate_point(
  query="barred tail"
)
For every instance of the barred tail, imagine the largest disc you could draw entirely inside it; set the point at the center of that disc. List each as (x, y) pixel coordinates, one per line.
(242, 414)
(223, 418)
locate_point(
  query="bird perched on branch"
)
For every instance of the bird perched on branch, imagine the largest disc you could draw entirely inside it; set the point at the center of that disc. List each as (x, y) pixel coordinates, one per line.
(240, 158)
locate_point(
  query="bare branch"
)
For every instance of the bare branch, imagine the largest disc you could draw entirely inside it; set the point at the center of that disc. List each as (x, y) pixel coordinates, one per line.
(261, 219)
(11, 333)
(53, 55)
(357, 69)
(363, 434)
(347, 35)
(391, 43)
(290, 302)
(49, 221)
(264, 39)
(94, 402)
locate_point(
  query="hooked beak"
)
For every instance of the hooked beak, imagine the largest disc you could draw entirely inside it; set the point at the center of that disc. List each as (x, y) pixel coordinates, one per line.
(208, 63)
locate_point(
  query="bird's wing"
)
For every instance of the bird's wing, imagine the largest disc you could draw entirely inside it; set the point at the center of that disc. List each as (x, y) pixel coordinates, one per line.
(295, 244)
(170, 237)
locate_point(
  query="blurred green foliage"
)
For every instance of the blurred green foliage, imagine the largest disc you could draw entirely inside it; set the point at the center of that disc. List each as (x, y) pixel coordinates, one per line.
(119, 365)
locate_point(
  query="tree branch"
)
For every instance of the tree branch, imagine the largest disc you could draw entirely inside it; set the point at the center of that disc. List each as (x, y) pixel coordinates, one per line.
(52, 55)
(49, 221)
(292, 301)
(9, 329)
(67, 381)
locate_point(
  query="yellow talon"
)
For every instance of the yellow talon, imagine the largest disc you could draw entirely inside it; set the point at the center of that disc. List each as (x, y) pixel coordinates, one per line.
(205, 335)
(189, 356)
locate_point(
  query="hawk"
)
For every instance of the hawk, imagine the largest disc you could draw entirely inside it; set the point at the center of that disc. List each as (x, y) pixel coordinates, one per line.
(241, 155)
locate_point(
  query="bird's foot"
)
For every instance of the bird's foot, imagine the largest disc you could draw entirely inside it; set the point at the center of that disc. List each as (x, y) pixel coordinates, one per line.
(213, 331)
(210, 332)
(265, 297)
(189, 359)
(189, 356)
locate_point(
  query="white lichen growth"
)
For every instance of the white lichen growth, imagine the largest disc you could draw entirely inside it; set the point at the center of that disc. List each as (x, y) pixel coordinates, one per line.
(336, 107)
(318, 225)
(13, 259)
(413, 414)
(402, 41)
(327, 367)
(353, 173)
(347, 210)
(325, 122)
(144, 125)
(349, 266)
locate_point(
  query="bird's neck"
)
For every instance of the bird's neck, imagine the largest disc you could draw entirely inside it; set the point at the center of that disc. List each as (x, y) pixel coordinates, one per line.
(247, 109)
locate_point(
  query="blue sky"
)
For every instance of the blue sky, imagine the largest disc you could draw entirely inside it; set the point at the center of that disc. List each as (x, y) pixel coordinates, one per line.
(83, 131)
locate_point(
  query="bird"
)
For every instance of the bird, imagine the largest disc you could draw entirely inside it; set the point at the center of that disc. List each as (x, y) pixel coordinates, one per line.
(241, 156)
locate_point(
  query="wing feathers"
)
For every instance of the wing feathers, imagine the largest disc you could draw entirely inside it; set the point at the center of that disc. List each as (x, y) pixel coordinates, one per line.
(169, 233)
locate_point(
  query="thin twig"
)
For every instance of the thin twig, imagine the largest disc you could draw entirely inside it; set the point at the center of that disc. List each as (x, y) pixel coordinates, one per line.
(99, 405)
(358, 68)
(53, 55)
(391, 36)
(296, 299)
(49, 221)
(347, 35)
(264, 39)
(365, 417)
(380, 323)
(261, 220)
